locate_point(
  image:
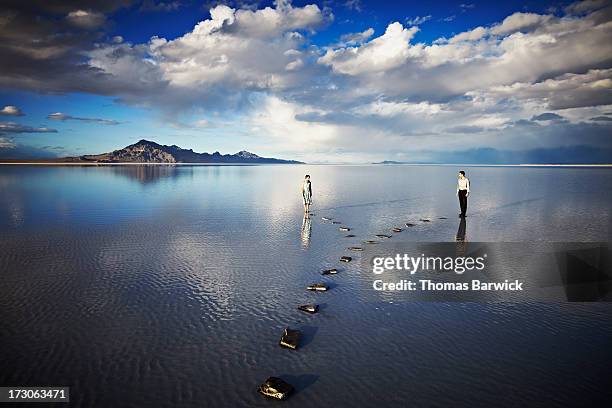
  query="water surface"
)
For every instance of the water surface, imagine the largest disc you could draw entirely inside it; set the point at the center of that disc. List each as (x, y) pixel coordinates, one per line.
(170, 286)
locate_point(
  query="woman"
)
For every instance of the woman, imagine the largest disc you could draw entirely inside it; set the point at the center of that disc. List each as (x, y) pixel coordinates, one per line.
(307, 194)
(463, 191)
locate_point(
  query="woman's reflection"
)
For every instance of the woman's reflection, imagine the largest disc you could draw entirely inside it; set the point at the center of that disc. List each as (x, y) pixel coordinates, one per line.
(306, 230)
(460, 237)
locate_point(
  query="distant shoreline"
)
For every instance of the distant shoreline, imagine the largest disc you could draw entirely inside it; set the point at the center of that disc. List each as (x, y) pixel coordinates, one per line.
(93, 164)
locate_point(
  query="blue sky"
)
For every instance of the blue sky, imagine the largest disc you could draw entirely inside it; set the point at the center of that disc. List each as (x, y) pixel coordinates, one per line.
(333, 81)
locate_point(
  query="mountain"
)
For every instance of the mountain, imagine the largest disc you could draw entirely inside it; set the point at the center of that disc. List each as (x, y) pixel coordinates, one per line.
(145, 151)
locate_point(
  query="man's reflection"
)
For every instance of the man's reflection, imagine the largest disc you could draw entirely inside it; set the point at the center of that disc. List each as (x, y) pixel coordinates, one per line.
(460, 237)
(306, 230)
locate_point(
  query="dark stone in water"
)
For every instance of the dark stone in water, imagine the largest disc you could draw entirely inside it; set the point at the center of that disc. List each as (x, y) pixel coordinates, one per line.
(326, 218)
(356, 248)
(350, 236)
(396, 229)
(336, 222)
(290, 339)
(409, 224)
(383, 236)
(275, 388)
(442, 218)
(346, 259)
(312, 309)
(370, 242)
(331, 271)
(425, 220)
(318, 287)
(345, 229)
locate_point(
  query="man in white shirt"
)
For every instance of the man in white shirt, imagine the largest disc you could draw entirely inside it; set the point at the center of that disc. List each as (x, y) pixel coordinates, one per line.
(463, 191)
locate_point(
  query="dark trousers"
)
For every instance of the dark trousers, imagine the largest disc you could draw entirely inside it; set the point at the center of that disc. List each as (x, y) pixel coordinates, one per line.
(463, 201)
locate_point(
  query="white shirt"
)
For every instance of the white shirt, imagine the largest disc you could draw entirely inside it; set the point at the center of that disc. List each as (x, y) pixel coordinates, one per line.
(463, 184)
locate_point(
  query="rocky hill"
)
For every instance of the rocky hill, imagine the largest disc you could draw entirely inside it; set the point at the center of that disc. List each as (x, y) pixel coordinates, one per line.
(145, 151)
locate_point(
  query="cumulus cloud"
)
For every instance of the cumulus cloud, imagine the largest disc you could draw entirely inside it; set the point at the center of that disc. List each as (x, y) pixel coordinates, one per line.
(520, 22)
(86, 19)
(593, 88)
(381, 54)
(11, 110)
(63, 117)
(219, 62)
(11, 127)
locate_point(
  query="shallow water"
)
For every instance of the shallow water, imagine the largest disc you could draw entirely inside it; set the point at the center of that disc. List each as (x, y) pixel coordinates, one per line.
(171, 286)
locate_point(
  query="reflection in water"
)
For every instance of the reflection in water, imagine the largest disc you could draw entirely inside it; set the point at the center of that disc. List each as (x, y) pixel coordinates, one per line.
(146, 173)
(155, 285)
(460, 237)
(306, 230)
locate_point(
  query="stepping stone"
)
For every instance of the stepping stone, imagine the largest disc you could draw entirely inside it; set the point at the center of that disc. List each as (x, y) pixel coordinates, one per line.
(318, 287)
(345, 229)
(350, 236)
(355, 248)
(336, 222)
(425, 220)
(396, 229)
(331, 271)
(409, 224)
(290, 339)
(326, 218)
(346, 259)
(370, 242)
(275, 388)
(383, 236)
(312, 309)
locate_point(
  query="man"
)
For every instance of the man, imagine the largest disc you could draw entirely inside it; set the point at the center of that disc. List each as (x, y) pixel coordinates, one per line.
(463, 191)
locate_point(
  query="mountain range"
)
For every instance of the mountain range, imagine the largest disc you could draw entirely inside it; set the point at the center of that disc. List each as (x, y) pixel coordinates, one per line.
(146, 151)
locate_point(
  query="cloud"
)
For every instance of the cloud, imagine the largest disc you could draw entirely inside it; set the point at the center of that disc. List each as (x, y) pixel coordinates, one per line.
(10, 150)
(520, 22)
(217, 64)
(161, 6)
(465, 129)
(602, 118)
(547, 116)
(353, 5)
(11, 127)
(585, 6)
(593, 88)
(6, 143)
(352, 39)
(383, 53)
(472, 35)
(365, 94)
(418, 20)
(86, 19)
(11, 110)
(63, 117)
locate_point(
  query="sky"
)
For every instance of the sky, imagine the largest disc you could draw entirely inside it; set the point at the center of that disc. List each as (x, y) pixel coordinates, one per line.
(346, 81)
